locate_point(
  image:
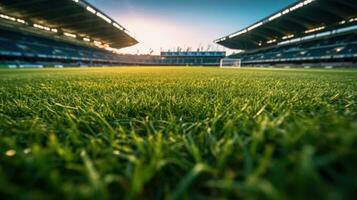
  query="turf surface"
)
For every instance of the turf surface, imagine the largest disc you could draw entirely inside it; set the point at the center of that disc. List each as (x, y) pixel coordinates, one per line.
(178, 133)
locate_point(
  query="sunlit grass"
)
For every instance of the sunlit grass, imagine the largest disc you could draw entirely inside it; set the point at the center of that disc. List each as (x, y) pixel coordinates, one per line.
(178, 133)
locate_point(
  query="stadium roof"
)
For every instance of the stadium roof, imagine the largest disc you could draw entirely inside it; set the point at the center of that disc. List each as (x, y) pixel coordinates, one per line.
(299, 19)
(72, 18)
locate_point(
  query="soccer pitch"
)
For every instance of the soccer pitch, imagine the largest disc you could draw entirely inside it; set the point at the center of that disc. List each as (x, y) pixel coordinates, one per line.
(178, 133)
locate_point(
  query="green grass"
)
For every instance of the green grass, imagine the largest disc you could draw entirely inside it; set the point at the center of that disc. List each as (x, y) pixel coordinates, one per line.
(178, 133)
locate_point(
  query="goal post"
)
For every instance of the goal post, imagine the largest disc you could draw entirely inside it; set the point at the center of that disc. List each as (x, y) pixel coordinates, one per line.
(230, 63)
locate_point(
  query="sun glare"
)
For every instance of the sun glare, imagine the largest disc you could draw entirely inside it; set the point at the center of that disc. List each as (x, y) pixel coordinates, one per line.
(156, 35)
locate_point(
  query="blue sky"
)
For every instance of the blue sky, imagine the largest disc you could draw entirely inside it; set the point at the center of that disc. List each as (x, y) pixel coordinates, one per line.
(167, 24)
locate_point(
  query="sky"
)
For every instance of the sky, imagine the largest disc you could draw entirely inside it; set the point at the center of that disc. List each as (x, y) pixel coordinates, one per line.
(188, 24)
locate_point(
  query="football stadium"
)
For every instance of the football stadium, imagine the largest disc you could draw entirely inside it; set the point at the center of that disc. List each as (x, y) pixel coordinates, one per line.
(111, 99)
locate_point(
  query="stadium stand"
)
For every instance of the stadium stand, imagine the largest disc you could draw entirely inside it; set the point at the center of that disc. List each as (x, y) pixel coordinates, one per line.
(55, 33)
(192, 58)
(45, 33)
(309, 32)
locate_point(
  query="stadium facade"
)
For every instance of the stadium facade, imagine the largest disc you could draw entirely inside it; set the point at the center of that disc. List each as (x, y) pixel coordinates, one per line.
(63, 32)
(308, 32)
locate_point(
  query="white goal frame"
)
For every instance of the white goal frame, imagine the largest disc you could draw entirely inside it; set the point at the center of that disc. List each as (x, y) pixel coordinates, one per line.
(230, 63)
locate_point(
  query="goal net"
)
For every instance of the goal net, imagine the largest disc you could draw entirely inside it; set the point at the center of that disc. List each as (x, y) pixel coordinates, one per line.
(230, 63)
